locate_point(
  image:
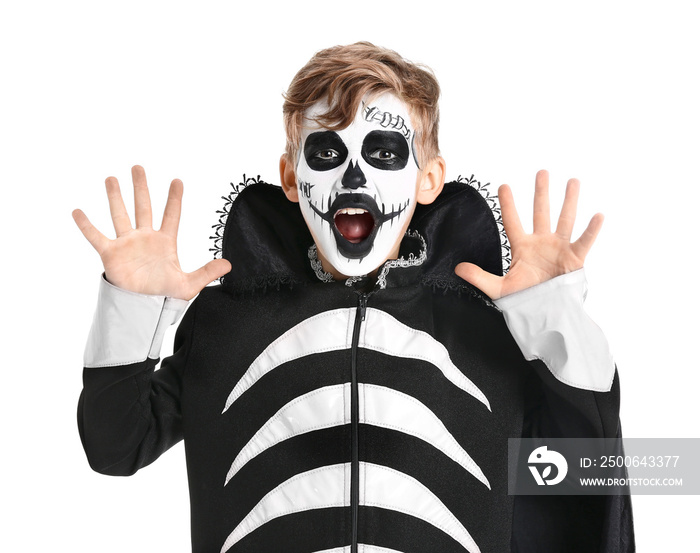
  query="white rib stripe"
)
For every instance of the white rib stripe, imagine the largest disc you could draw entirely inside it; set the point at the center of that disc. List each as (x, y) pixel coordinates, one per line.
(329, 486)
(328, 331)
(315, 489)
(332, 330)
(361, 548)
(390, 489)
(379, 406)
(382, 332)
(322, 408)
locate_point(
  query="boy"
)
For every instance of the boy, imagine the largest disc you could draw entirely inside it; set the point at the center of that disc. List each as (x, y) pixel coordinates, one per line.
(343, 389)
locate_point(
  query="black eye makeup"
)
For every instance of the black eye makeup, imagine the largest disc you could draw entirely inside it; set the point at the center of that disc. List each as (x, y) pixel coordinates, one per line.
(324, 150)
(386, 150)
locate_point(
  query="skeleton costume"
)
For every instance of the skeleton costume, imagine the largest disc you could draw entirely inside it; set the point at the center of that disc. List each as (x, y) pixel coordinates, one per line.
(317, 415)
(366, 415)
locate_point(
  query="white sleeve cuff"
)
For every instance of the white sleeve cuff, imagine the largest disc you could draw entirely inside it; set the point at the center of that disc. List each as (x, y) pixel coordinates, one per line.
(128, 327)
(548, 322)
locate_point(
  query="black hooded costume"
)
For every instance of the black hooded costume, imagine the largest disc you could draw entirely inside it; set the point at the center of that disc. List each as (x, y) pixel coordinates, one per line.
(367, 415)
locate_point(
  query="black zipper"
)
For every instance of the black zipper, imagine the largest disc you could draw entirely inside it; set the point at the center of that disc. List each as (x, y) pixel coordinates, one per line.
(355, 422)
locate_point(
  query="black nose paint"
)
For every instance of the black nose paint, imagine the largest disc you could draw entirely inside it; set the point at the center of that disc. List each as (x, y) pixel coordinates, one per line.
(353, 178)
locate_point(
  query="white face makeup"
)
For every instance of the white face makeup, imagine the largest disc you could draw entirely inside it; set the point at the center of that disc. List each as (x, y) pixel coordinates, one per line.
(357, 186)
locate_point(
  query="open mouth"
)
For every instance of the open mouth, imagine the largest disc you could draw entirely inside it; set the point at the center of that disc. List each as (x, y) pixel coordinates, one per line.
(355, 220)
(354, 224)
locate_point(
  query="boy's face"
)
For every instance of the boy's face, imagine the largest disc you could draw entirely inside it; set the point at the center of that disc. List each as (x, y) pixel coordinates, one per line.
(357, 186)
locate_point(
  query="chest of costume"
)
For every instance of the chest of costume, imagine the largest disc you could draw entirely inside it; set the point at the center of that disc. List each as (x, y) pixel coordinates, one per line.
(319, 416)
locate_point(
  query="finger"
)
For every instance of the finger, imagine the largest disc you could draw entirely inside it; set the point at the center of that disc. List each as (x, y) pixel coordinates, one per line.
(120, 217)
(540, 213)
(171, 215)
(583, 245)
(488, 283)
(511, 219)
(567, 217)
(142, 199)
(204, 275)
(98, 240)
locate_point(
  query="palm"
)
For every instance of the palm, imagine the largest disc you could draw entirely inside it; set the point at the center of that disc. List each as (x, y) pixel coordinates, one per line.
(142, 259)
(539, 256)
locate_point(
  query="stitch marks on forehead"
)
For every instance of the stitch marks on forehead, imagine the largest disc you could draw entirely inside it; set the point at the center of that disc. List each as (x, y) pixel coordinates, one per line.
(386, 120)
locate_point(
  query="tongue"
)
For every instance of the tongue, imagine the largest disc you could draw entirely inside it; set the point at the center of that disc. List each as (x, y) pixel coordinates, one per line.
(354, 228)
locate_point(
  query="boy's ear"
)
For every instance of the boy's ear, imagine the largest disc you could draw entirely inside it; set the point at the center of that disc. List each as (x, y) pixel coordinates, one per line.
(432, 179)
(288, 179)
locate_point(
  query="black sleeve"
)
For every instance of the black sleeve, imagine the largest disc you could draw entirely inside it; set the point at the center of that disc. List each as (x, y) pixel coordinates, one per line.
(129, 415)
(556, 410)
(580, 523)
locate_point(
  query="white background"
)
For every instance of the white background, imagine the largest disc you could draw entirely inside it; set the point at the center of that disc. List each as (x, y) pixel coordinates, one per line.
(607, 92)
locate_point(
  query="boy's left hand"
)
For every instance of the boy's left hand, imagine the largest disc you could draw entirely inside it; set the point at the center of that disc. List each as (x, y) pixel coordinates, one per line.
(539, 256)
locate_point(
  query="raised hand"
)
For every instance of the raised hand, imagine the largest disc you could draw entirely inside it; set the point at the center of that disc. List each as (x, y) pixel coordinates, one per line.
(539, 256)
(142, 259)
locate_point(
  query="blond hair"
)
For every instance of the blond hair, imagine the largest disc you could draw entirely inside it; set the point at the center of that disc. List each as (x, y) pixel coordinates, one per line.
(343, 75)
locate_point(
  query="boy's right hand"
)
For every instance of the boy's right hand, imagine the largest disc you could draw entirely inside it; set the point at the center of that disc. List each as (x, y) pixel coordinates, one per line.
(142, 259)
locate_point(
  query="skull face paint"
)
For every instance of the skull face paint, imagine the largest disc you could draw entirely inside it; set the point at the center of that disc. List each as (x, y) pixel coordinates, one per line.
(357, 186)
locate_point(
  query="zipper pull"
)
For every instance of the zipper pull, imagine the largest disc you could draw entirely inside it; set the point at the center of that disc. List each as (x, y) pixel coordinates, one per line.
(363, 306)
